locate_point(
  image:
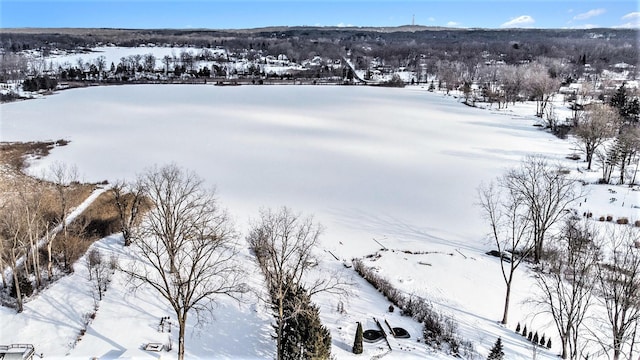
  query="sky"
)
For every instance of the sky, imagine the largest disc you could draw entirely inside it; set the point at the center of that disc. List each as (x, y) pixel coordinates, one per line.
(240, 14)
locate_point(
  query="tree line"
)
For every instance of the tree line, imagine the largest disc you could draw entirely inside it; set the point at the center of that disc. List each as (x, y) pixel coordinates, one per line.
(578, 265)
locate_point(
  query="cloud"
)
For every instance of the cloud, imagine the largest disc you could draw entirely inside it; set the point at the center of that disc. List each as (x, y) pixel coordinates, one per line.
(632, 15)
(630, 25)
(633, 21)
(453, 23)
(431, 19)
(519, 22)
(344, 25)
(589, 14)
(584, 26)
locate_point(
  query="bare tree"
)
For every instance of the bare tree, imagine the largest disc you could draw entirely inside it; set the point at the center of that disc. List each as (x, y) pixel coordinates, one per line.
(627, 145)
(14, 236)
(30, 198)
(568, 284)
(547, 192)
(582, 97)
(100, 271)
(597, 125)
(166, 60)
(149, 61)
(541, 86)
(512, 80)
(284, 243)
(63, 176)
(128, 199)
(186, 246)
(618, 280)
(508, 217)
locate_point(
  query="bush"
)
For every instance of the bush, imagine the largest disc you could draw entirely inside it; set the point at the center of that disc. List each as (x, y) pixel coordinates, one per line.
(395, 81)
(39, 83)
(609, 218)
(622, 221)
(26, 288)
(496, 351)
(438, 331)
(357, 343)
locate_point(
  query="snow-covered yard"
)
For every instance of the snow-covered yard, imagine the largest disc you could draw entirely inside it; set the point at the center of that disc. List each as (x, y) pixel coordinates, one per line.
(397, 167)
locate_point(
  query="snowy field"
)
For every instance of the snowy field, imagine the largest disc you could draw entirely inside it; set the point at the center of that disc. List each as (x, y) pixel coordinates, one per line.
(398, 166)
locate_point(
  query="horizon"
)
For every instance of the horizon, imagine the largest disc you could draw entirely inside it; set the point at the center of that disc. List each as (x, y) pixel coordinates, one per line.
(256, 14)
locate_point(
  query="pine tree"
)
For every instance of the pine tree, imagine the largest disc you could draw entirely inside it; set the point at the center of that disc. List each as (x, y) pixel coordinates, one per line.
(543, 341)
(535, 338)
(357, 343)
(303, 335)
(518, 328)
(530, 336)
(619, 99)
(549, 343)
(496, 352)
(524, 331)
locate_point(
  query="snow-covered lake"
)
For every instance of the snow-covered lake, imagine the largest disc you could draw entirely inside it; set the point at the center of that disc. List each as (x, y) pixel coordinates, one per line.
(368, 162)
(400, 166)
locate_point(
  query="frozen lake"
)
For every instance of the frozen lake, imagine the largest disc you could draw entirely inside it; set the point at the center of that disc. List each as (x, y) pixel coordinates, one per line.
(400, 164)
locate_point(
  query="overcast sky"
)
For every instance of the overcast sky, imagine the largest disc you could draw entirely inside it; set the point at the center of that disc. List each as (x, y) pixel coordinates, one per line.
(215, 14)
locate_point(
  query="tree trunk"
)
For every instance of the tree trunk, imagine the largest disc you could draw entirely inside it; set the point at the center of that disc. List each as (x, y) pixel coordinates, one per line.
(563, 339)
(506, 303)
(16, 281)
(49, 260)
(182, 322)
(622, 168)
(36, 263)
(280, 326)
(589, 155)
(617, 345)
(4, 278)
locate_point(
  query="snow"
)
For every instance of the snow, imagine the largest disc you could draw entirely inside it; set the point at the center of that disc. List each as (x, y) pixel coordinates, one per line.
(113, 54)
(400, 166)
(70, 218)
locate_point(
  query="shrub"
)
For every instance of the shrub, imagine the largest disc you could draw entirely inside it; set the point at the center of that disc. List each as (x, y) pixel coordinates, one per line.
(609, 218)
(357, 343)
(438, 331)
(637, 223)
(496, 352)
(26, 288)
(622, 221)
(395, 81)
(601, 218)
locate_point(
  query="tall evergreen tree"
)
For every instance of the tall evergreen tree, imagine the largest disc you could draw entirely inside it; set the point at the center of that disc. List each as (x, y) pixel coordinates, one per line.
(303, 335)
(496, 352)
(357, 343)
(627, 106)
